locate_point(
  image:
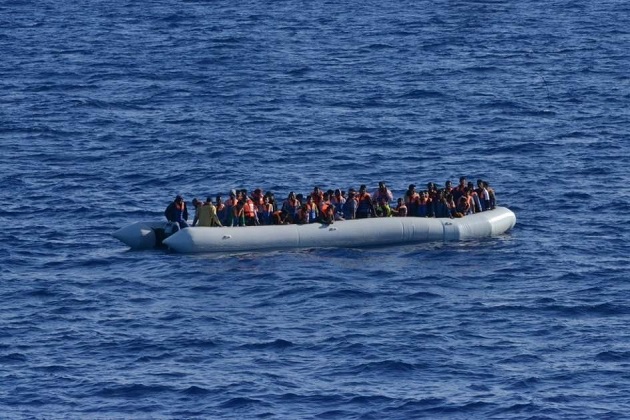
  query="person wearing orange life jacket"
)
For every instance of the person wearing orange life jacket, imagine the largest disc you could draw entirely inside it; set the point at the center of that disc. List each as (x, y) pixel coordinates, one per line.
(317, 195)
(177, 213)
(251, 215)
(326, 211)
(265, 211)
(311, 208)
(290, 207)
(365, 208)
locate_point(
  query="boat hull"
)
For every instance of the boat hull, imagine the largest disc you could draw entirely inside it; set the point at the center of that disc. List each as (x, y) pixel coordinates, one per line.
(349, 233)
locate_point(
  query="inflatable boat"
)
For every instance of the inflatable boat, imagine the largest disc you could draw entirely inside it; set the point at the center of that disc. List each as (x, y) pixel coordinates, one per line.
(348, 233)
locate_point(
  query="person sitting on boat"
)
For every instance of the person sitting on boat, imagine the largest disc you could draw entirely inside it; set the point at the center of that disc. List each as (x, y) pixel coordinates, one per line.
(238, 213)
(221, 211)
(311, 208)
(401, 208)
(349, 208)
(463, 207)
(442, 207)
(265, 211)
(249, 209)
(196, 204)
(230, 203)
(289, 208)
(365, 208)
(484, 196)
(382, 193)
(491, 194)
(207, 214)
(422, 204)
(382, 208)
(302, 216)
(459, 190)
(326, 213)
(411, 200)
(177, 213)
(317, 195)
(448, 186)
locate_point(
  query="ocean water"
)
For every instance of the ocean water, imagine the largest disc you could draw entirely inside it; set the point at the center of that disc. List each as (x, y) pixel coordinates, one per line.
(110, 109)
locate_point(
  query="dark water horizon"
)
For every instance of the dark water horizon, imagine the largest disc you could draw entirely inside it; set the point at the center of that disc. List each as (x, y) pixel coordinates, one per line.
(108, 110)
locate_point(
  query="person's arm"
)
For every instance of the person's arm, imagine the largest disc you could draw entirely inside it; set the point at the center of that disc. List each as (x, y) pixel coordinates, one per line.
(214, 218)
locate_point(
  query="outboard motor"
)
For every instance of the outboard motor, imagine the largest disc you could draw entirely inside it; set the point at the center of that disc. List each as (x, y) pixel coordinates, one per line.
(163, 233)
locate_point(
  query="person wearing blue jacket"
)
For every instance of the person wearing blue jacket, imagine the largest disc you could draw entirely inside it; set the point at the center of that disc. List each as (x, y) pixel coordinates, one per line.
(177, 213)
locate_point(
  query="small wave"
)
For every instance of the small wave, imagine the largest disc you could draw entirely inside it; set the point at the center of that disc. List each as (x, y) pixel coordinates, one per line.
(13, 358)
(134, 390)
(613, 356)
(196, 390)
(386, 366)
(278, 344)
(421, 94)
(243, 402)
(345, 294)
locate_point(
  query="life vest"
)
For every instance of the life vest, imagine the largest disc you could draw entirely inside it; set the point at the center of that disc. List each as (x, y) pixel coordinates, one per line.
(250, 209)
(324, 207)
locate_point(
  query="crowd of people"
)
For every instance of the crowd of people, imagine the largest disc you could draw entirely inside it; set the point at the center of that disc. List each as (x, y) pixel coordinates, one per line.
(258, 208)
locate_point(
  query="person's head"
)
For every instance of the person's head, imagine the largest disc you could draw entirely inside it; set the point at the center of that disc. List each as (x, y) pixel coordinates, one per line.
(462, 180)
(400, 201)
(179, 199)
(470, 185)
(309, 199)
(196, 202)
(337, 192)
(291, 195)
(266, 199)
(430, 185)
(362, 188)
(316, 189)
(382, 186)
(412, 187)
(208, 199)
(219, 199)
(448, 183)
(480, 183)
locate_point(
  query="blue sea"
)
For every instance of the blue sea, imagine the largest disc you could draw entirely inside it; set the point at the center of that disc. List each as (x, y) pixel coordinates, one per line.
(110, 109)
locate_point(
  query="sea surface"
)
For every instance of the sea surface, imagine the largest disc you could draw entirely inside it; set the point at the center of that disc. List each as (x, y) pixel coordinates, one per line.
(108, 109)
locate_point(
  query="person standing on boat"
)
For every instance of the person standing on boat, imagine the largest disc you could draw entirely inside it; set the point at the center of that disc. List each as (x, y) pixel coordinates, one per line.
(207, 214)
(382, 193)
(177, 213)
